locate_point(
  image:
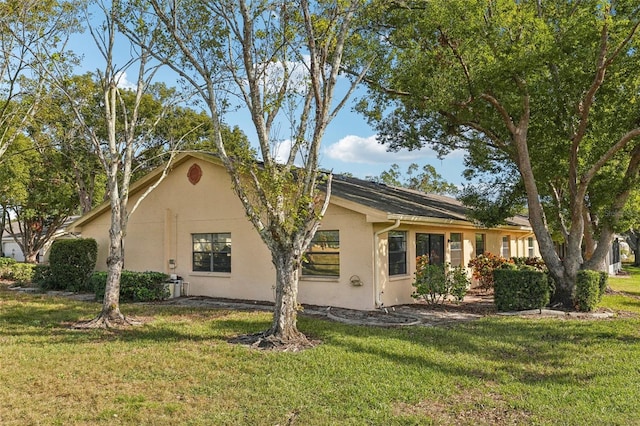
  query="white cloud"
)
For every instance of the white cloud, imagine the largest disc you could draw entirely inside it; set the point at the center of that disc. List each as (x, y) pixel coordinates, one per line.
(280, 151)
(123, 83)
(356, 149)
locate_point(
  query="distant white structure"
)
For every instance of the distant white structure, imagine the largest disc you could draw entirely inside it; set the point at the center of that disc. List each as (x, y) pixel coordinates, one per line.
(12, 249)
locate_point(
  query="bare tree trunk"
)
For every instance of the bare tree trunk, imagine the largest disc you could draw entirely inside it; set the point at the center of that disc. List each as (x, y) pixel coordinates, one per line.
(284, 325)
(283, 333)
(3, 220)
(111, 302)
(110, 315)
(597, 262)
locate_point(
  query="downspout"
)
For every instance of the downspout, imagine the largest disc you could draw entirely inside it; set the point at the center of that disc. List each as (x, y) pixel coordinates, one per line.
(376, 261)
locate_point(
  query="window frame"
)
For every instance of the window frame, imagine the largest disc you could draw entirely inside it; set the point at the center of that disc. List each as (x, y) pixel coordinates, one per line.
(531, 250)
(217, 240)
(505, 239)
(305, 271)
(458, 249)
(435, 247)
(402, 250)
(484, 244)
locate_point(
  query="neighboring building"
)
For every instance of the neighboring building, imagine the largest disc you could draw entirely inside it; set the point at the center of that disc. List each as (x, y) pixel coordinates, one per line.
(12, 249)
(363, 256)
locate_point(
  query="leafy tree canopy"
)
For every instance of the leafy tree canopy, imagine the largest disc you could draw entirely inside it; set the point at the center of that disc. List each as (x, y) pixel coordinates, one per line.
(541, 94)
(426, 179)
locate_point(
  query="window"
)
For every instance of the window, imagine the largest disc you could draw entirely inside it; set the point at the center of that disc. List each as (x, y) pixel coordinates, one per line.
(431, 245)
(480, 244)
(212, 252)
(455, 247)
(397, 253)
(530, 248)
(322, 258)
(505, 250)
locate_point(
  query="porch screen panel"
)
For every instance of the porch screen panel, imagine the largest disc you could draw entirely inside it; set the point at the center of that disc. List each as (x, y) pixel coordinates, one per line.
(397, 253)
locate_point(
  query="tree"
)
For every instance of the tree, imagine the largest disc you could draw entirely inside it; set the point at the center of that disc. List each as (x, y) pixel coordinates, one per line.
(66, 133)
(38, 196)
(630, 228)
(428, 180)
(27, 29)
(280, 60)
(178, 124)
(121, 135)
(543, 88)
(632, 237)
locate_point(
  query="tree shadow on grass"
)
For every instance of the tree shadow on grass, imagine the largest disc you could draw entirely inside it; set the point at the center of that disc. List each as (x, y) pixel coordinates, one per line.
(529, 351)
(34, 319)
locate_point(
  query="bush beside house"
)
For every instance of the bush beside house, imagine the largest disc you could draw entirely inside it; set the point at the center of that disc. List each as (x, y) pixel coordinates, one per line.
(10, 269)
(134, 286)
(71, 263)
(482, 268)
(437, 283)
(590, 287)
(520, 289)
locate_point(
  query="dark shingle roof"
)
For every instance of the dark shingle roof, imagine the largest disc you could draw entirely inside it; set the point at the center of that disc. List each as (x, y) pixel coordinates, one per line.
(405, 202)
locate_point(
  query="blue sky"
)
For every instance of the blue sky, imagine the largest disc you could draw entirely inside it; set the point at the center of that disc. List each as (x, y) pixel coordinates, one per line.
(349, 144)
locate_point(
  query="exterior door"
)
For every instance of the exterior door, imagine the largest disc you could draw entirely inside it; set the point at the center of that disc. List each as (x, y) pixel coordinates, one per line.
(432, 245)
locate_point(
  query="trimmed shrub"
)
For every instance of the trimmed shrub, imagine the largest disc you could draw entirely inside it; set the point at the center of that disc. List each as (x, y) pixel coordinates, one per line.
(134, 286)
(23, 272)
(6, 267)
(604, 282)
(97, 283)
(520, 289)
(72, 262)
(42, 277)
(587, 292)
(11, 269)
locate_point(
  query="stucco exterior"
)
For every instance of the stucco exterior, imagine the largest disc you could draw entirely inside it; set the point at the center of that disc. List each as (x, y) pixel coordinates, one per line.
(159, 238)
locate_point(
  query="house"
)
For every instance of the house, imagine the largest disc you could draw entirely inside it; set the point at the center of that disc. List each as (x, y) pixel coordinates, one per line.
(363, 256)
(10, 248)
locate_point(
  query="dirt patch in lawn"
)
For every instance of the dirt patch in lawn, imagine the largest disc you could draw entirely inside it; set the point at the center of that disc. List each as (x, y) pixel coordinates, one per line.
(467, 407)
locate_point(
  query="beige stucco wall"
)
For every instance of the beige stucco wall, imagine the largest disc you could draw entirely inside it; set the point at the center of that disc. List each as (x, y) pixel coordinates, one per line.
(162, 226)
(356, 261)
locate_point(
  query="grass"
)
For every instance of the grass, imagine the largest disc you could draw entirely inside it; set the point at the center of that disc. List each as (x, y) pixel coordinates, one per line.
(627, 291)
(179, 369)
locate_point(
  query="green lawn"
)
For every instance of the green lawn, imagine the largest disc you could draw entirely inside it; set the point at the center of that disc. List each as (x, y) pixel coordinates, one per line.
(179, 369)
(628, 291)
